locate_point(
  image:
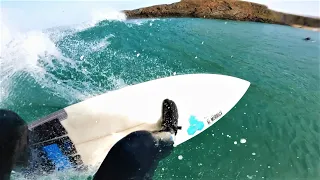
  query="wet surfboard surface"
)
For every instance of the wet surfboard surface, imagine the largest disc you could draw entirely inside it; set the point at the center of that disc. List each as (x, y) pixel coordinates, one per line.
(83, 133)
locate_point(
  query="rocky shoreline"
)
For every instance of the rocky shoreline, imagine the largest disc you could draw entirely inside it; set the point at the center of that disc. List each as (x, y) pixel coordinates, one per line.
(224, 9)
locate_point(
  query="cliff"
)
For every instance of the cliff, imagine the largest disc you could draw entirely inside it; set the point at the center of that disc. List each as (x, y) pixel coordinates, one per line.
(223, 9)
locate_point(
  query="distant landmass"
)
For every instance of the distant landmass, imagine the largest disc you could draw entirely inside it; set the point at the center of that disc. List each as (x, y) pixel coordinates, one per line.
(224, 9)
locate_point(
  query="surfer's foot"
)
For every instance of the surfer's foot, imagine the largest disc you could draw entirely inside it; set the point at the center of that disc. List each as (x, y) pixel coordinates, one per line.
(170, 117)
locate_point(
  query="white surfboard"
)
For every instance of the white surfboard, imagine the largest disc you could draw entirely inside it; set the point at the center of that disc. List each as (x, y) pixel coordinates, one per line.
(96, 124)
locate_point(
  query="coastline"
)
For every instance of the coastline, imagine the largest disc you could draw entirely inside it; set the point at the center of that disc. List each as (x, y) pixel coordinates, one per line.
(225, 10)
(316, 29)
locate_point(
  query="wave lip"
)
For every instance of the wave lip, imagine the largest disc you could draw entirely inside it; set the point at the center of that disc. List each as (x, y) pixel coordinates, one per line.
(97, 16)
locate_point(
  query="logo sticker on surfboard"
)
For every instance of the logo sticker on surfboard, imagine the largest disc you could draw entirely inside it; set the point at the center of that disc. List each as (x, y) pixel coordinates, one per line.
(198, 125)
(214, 117)
(195, 125)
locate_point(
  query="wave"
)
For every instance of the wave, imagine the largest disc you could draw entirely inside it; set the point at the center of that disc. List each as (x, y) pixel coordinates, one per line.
(36, 51)
(66, 60)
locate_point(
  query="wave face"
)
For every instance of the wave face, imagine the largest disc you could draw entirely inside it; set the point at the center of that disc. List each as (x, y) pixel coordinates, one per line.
(44, 70)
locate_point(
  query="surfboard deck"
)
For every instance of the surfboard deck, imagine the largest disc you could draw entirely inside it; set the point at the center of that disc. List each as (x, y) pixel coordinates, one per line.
(96, 124)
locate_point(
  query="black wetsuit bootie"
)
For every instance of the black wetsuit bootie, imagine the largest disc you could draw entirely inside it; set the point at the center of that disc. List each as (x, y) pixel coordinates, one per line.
(170, 117)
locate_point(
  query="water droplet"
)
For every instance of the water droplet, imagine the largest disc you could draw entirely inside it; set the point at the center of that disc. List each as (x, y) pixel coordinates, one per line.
(235, 142)
(243, 140)
(81, 57)
(269, 167)
(202, 42)
(244, 113)
(196, 57)
(138, 54)
(180, 157)
(162, 169)
(174, 73)
(212, 135)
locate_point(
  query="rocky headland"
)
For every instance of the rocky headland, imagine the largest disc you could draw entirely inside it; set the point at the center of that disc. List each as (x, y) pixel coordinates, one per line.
(224, 9)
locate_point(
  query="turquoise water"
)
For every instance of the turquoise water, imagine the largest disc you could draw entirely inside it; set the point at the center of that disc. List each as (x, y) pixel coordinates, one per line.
(42, 72)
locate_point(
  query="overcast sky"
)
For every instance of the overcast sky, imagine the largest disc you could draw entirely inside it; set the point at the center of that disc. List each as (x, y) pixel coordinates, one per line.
(27, 15)
(300, 7)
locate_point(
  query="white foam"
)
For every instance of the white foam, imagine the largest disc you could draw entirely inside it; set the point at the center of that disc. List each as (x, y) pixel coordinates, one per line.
(140, 22)
(21, 53)
(33, 51)
(107, 13)
(117, 82)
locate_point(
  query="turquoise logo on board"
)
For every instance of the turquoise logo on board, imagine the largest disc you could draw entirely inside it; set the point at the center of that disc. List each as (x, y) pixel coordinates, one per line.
(195, 125)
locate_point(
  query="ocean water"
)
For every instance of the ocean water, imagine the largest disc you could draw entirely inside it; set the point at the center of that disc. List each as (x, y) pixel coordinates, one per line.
(272, 133)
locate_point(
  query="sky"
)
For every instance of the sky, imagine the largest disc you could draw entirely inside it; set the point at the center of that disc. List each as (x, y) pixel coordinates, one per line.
(299, 7)
(25, 15)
